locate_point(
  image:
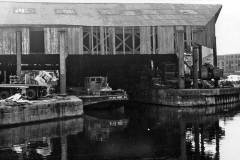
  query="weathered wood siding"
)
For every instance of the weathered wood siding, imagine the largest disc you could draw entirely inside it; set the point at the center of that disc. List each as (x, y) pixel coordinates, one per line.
(7, 41)
(205, 35)
(165, 40)
(145, 40)
(51, 40)
(110, 40)
(25, 41)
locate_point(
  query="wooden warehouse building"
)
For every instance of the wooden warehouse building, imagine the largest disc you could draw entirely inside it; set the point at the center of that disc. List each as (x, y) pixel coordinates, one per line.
(113, 40)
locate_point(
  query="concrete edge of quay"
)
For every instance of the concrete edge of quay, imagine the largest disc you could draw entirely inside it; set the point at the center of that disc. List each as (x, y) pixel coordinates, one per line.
(41, 110)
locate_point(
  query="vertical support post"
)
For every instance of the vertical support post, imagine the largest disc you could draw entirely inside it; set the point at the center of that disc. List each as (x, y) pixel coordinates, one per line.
(188, 35)
(112, 40)
(215, 57)
(200, 60)
(180, 48)
(81, 40)
(148, 39)
(154, 39)
(195, 66)
(5, 76)
(62, 63)
(133, 40)
(25, 41)
(214, 52)
(124, 41)
(19, 53)
(142, 40)
(102, 40)
(106, 40)
(91, 39)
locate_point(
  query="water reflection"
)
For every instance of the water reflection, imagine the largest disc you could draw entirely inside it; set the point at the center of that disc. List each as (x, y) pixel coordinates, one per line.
(133, 131)
(98, 126)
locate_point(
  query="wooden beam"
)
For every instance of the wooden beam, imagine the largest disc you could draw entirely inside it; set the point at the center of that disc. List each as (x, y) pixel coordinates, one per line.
(80, 40)
(112, 40)
(106, 40)
(1, 41)
(19, 53)
(25, 41)
(142, 40)
(91, 41)
(102, 40)
(165, 37)
(214, 51)
(180, 49)
(188, 35)
(215, 57)
(124, 46)
(133, 40)
(154, 39)
(195, 66)
(148, 40)
(73, 37)
(69, 40)
(4, 76)
(47, 43)
(62, 63)
(200, 60)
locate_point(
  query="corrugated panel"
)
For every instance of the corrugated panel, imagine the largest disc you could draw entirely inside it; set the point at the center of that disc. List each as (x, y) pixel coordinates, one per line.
(157, 14)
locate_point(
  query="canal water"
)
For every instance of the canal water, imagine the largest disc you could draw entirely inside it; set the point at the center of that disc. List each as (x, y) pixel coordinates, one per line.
(129, 131)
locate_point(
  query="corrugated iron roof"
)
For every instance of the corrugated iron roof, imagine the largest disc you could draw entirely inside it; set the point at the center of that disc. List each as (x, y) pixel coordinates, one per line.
(108, 14)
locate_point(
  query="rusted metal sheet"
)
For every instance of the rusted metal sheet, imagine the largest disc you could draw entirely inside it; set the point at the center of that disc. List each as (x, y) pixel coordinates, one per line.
(129, 14)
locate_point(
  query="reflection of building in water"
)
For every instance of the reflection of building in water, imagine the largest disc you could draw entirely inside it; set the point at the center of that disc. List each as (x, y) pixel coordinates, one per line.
(199, 135)
(39, 148)
(148, 132)
(99, 129)
(38, 141)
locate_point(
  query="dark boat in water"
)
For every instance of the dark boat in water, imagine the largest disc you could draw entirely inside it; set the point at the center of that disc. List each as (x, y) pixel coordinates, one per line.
(97, 90)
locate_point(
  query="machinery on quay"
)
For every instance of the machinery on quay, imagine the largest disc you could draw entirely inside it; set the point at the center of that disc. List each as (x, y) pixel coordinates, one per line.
(31, 88)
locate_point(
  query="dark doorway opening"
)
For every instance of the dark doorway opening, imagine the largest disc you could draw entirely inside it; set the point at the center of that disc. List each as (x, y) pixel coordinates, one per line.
(37, 41)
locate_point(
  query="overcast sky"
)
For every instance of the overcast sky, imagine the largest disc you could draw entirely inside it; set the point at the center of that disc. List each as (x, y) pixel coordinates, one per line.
(227, 27)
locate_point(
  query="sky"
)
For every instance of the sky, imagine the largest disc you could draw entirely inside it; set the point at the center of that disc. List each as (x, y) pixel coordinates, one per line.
(227, 26)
